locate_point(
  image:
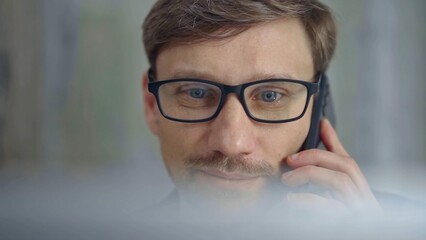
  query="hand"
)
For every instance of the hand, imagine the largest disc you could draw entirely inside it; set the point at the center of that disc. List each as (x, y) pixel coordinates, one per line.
(346, 189)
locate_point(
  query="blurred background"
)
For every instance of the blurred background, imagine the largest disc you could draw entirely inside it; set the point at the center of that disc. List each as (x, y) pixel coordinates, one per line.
(71, 119)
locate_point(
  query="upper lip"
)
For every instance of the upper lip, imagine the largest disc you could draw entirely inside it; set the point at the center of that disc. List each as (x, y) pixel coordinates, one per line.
(228, 175)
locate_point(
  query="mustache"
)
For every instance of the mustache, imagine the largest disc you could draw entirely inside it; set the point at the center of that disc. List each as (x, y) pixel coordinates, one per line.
(224, 163)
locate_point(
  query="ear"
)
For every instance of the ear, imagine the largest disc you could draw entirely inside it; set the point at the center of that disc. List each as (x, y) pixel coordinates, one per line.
(150, 105)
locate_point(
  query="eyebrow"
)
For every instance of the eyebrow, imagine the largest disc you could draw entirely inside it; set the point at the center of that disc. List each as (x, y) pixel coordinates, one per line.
(208, 76)
(193, 74)
(273, 76)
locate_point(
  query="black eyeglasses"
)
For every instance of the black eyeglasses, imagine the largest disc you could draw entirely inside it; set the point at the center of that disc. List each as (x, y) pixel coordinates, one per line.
(196, 100)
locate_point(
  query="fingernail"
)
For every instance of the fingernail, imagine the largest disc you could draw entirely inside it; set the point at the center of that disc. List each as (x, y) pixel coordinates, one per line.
(294, 156)
(286, 176)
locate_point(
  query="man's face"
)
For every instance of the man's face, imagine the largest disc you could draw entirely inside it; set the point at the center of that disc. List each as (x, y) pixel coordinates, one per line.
(198, 156)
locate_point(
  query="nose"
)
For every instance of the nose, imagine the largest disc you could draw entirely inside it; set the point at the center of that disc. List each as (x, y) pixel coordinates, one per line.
(232, 131)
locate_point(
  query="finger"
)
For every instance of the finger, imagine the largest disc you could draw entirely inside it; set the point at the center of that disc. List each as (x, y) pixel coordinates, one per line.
(330, 161)
(323, 159)
(333, 144)
(340, 184)
(315, 202)
(330, 139)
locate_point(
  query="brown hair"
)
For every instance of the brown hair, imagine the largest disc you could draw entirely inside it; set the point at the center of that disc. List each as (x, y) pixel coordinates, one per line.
(189, 21)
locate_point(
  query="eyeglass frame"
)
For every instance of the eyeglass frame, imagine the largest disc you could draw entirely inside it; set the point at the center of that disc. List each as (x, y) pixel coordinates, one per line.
(312, 88)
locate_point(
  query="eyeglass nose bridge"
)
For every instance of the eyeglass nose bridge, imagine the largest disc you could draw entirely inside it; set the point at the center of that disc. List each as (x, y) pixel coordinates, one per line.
(237, 89)
(228, 89)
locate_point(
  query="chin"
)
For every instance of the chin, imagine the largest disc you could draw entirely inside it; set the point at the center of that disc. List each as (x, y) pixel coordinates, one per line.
(232, 197)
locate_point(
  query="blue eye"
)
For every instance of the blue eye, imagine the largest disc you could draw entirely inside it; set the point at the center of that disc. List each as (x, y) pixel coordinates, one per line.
(197, 92)
(270, 96)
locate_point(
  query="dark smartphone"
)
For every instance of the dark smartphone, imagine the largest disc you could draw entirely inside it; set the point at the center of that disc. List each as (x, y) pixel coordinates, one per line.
(323, 107)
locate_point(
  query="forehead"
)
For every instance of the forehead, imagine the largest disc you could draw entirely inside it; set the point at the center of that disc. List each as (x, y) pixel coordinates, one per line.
(275, 49)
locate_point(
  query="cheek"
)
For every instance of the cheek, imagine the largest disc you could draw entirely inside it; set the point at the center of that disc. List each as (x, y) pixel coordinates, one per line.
(177, 142)
(284, 139)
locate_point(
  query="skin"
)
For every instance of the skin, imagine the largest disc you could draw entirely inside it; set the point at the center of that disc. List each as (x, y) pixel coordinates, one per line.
(278, 49)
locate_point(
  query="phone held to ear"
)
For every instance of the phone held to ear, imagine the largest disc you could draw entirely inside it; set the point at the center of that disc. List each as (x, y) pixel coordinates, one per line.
(323, 108)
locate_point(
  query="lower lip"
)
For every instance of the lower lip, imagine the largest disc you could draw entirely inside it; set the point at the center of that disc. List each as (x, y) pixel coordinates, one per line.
(227, 176)
(226, 181)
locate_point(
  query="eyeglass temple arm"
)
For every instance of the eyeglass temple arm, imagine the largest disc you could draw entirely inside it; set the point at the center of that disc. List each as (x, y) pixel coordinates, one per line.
(151, 75)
